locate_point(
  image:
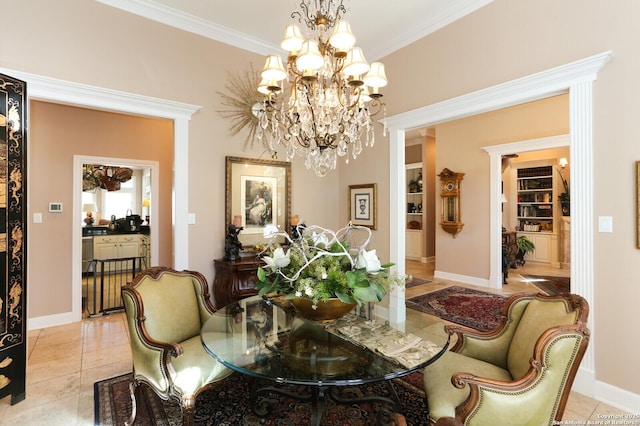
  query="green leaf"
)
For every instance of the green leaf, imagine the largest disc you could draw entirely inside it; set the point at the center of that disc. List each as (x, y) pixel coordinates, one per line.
(261, 274)
(366, 294)
(344, 297)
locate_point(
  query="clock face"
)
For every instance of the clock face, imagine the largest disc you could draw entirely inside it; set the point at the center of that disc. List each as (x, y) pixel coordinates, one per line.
(449, 186)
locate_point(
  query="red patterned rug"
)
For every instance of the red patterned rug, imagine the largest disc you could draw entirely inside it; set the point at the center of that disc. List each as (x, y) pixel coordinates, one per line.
(227, 405)
(472, 308)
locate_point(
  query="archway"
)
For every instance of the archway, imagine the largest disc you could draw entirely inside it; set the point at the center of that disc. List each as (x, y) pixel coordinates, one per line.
(576, 78)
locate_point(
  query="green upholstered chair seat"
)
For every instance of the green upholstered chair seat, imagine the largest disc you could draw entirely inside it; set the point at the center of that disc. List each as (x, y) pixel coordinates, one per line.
(442, 396)
(195, 367)
(519, 373)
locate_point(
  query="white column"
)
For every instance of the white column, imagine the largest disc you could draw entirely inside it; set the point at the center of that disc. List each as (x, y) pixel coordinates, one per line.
(180, 201)
(582, 274)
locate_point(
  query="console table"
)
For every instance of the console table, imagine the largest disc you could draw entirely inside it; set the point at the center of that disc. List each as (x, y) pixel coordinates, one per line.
(234, 280)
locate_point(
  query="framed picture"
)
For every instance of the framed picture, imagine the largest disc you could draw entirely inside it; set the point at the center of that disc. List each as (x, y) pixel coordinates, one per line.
(362, 205)
(257, 194)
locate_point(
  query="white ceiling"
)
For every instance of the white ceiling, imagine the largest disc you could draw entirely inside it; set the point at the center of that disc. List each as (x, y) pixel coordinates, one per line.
(381, 26)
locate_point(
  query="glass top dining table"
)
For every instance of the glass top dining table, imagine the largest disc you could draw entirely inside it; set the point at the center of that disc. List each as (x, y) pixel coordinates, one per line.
(265, 339)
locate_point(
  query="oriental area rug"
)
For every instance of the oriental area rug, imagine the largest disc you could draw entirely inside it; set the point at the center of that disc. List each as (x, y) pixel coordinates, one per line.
(548, 284)
(227, 404)
(472, 308)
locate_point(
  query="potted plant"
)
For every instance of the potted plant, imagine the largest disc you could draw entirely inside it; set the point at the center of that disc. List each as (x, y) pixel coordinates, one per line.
(525, 246)
(322, 265)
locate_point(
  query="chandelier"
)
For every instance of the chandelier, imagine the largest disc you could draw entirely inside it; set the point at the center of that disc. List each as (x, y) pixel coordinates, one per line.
(320, 106)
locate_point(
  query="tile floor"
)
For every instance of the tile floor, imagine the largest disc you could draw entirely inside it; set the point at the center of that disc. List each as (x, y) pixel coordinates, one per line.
(65, 361)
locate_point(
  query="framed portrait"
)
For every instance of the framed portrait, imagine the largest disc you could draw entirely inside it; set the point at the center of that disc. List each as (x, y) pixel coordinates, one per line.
(257, 194)
(362, 205)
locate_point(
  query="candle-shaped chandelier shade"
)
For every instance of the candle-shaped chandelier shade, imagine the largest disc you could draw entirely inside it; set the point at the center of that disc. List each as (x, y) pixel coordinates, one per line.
(320, 106)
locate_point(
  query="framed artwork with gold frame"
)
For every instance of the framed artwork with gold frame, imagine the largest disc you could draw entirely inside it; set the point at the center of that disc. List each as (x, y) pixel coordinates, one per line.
(257, 194)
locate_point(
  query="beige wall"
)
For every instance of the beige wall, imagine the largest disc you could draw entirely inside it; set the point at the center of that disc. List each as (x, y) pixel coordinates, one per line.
(88, 42)
(506, 40)
(459, 146)
(57, 133)
(91, 43)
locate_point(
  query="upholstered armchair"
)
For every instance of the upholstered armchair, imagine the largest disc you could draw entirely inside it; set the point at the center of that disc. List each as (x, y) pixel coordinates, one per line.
(519, 373)
(165, 312)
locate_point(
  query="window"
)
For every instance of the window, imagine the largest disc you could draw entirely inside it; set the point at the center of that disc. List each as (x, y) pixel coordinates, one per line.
(116, 203)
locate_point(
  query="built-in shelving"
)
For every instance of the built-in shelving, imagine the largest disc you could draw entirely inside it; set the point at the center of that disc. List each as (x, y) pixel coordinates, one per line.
(535, 189)
(414, 220)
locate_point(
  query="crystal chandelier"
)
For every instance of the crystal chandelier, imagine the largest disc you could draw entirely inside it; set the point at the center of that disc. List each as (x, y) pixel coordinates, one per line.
(324, 109)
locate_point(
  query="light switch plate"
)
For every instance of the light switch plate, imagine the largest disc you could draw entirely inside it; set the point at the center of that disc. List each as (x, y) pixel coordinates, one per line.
(605, 224)
(37, 218)
(191, 219)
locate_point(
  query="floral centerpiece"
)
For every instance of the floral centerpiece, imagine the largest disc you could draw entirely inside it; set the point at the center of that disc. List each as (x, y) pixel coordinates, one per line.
(321, 264)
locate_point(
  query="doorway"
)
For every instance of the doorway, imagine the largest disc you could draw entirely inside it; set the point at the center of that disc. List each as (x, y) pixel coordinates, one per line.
(147, 189)
(93, 97)
(576, 78)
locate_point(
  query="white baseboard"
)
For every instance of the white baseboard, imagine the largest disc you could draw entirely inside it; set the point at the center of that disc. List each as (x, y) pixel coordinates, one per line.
(619, 398)
(461, 278)
(50, 320)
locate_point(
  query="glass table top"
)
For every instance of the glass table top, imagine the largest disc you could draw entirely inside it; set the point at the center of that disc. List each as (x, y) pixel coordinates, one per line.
(261, 339)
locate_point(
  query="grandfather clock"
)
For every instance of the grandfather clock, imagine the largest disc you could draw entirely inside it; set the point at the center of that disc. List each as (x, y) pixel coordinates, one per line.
(13, 237)
(451, 220)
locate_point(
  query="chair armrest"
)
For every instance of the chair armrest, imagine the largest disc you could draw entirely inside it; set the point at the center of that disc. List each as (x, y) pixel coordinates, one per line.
(490, 346)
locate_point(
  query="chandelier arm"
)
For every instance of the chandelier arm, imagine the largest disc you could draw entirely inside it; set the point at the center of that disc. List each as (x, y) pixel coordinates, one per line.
(377, 105)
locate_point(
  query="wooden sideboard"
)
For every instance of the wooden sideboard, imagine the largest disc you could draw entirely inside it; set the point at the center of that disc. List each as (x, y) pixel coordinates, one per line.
(234, 280)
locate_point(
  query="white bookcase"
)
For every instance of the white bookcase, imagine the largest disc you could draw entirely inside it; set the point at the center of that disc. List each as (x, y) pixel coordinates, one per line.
(414, 221)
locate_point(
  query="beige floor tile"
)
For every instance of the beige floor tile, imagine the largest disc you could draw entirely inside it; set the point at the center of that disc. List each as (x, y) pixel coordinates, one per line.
(105, 357)
(42, 371)
(605, 412)
(62, 412)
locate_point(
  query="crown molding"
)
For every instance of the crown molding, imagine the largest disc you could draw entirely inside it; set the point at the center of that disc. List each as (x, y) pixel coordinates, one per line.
(184, 21)
(187, 22)
(431, 24)
(72, 93)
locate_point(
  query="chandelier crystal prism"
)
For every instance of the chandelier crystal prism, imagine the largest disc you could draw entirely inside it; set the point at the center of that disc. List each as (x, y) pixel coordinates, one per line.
(321, 105)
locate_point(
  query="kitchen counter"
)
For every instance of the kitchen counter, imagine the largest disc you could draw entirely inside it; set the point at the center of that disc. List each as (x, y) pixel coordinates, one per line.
(88, 231)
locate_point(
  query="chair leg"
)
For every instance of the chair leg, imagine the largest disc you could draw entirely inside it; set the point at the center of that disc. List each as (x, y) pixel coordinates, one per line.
(188, 407)
(132, 392)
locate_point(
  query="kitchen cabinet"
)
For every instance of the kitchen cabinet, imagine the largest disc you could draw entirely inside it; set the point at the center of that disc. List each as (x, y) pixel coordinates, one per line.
(116, 246)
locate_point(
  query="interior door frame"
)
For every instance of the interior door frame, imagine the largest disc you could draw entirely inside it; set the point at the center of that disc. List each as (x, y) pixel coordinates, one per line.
(575, 78)
(71, 93)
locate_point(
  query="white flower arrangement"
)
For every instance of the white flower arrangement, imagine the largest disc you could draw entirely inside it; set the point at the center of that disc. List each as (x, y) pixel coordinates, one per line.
(323, 264)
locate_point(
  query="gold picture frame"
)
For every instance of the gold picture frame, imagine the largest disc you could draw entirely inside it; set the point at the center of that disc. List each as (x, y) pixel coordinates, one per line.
(363, 205)
(257, 194)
